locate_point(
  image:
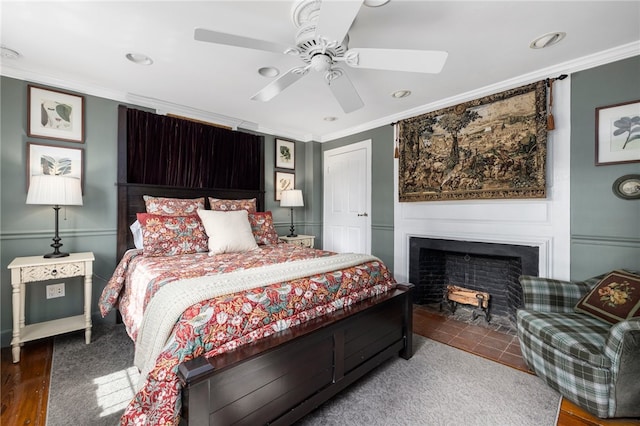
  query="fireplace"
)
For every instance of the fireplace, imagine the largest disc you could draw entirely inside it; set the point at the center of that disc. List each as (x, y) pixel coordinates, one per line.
(484, 267)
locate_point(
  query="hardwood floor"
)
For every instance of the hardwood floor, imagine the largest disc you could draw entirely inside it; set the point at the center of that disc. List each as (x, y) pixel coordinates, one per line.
(25, 386)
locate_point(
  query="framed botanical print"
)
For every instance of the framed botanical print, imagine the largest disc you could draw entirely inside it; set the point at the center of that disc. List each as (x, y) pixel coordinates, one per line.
(283, 181)
(618, 133)
(285, 154)
(53, 160)
(55, 115)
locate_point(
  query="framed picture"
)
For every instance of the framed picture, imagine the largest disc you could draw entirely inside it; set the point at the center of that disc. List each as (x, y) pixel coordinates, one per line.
(283, 181)
(285, 154)
(618, 133)
(55, 115)
(53, 160)
(627, 187)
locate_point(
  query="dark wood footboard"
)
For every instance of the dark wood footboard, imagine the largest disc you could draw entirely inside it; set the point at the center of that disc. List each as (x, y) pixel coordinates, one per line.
(279, 379)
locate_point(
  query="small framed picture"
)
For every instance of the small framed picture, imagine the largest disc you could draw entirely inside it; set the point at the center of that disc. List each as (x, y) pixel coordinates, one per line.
(627, 187)
(53, 160)
(618, 133)
(55, 115)
(285, 154)
(283, 181)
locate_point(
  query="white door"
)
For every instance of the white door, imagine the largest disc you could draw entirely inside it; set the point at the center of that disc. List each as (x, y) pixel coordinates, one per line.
(347, 199)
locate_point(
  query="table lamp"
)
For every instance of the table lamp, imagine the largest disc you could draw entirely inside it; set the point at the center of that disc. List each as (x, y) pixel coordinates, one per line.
(291, 198)
(56, 191)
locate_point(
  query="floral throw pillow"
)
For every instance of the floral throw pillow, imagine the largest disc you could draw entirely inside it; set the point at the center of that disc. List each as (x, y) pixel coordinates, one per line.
(615, 298)
(262, 227)
(172, 235)
(173, 206)
(231, 205)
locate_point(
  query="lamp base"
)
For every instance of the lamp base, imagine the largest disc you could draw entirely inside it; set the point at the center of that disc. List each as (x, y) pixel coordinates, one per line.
(56, 241)
(292, 229)
(56, 255)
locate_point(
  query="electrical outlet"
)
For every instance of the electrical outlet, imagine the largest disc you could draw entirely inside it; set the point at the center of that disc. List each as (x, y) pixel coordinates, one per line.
(55, 290)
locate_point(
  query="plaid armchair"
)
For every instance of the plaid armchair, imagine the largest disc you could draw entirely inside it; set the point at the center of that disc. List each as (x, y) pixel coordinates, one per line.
(594, 364)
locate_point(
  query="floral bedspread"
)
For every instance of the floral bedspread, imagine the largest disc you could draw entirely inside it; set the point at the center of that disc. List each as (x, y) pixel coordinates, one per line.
(214, 326)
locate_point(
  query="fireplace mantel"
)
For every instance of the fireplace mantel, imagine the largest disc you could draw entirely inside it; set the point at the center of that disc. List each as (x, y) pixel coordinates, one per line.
(542, 223)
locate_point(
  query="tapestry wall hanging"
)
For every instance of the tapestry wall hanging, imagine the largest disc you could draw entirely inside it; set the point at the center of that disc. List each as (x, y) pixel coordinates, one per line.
(488, 148)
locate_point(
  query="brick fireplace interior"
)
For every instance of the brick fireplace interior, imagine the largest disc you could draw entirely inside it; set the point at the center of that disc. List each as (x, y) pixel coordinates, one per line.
(487, 267)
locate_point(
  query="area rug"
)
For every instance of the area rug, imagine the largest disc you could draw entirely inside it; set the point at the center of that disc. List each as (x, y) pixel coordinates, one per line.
(91, 384)
(440, 385)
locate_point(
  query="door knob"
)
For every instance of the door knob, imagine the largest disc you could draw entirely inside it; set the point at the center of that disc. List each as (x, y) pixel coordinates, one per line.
(363, 214)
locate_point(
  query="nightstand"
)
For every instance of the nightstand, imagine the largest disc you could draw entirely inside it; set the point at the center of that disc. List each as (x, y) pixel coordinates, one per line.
(25, 270)
(300, 240)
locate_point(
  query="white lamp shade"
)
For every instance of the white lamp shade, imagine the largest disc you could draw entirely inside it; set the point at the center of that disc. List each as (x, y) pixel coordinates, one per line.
(55, 190)
(291, 198)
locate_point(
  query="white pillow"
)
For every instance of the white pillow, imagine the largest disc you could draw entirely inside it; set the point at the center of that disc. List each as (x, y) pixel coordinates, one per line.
(136, 230)
(228, 231)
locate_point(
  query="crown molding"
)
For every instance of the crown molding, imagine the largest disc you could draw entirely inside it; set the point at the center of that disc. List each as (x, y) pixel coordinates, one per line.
(164, 107)
(586, 62)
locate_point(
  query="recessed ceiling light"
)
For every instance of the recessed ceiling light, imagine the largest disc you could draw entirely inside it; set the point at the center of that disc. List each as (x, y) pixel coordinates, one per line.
(400, 94)
(5, 52)
(330, 118)
(375, 3)
(268, 71)
(547, 40)
(139, 58)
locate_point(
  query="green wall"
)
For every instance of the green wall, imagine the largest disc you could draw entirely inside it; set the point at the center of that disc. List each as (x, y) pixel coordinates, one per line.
(382, 187)
(605, 230)
(27, 230)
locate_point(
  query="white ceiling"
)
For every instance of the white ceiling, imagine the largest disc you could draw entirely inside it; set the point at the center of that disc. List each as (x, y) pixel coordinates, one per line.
(81, 46)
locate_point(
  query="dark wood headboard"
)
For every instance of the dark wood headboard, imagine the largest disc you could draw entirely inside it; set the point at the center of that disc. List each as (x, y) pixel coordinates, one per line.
(130, 201)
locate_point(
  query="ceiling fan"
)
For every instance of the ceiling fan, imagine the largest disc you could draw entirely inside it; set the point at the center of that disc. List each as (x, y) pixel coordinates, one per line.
(322, 42)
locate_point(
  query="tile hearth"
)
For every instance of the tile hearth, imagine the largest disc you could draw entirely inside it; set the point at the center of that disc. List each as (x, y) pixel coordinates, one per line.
(496, 340)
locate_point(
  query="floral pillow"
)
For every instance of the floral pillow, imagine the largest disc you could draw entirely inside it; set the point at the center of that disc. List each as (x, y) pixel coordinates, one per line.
(262, 227)
(615, 298)
(172, 235)
(173, 206)
(229, 205)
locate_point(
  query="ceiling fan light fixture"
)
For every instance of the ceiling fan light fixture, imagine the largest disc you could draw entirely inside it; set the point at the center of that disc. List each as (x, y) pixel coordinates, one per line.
(139, 58)
(375, 3)
(7, 53)
(321, 62)
(399, 94)
(547, 40)
(268, 71)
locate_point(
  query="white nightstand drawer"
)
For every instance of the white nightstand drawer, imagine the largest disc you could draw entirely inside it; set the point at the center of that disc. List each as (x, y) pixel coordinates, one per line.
(51, 272)
(300, 240)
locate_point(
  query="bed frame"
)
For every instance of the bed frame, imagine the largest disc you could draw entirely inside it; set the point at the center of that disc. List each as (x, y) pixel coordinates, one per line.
(278, 379)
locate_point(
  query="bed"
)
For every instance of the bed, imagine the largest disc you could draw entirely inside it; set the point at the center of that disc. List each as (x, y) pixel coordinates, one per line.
(304, 325)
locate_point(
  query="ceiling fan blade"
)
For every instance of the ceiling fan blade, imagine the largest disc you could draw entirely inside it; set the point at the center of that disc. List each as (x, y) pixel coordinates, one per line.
(279, 84)
(336, 18)
(426, 61)
(345, 93)
(216, 37)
